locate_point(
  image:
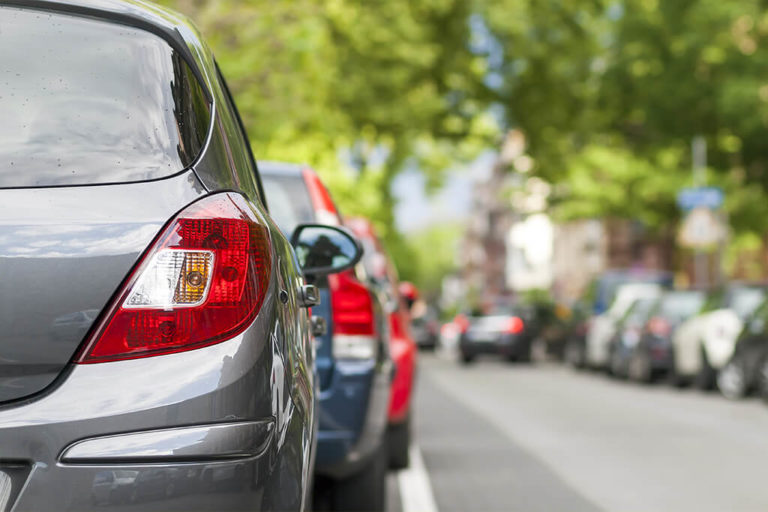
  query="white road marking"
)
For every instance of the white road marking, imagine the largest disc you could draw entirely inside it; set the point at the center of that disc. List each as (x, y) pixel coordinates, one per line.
(415, 489)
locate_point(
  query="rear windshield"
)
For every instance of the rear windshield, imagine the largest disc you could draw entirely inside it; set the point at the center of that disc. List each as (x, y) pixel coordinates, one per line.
(679, 306)
(744, 301)
(288, 201)
(86, 101)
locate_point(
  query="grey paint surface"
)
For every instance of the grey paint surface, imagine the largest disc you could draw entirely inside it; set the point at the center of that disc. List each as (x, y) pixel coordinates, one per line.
(63, 253)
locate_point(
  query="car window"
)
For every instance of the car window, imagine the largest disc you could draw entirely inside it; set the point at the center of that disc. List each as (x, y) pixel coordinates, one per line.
(289, 201)
(678, 306)
(640, 311)
(87, 101)
(744, 301)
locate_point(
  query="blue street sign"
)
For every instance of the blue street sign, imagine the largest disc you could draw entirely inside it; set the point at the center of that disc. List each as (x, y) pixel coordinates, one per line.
(696, 197)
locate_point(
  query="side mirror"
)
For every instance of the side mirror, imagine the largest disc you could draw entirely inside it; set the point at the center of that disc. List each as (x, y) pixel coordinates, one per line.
(324, 250)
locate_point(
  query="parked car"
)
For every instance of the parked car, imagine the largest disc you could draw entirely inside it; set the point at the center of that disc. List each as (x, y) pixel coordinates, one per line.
(382, 276)
(425, 322)
(501, 331)
(629, 331)
(353, 361)
(128, 187)
(603, 290)
(652, 356)
(747, 369)
(603, 327)
(705, 343)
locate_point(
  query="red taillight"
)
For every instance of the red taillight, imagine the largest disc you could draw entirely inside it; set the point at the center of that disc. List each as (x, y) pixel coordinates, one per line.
(514, 325)
(202, 281)
(325, 209)
(352, 305)
(659, 326)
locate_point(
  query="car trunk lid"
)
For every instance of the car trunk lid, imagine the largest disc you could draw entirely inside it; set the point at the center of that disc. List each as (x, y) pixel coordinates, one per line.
(64, 251)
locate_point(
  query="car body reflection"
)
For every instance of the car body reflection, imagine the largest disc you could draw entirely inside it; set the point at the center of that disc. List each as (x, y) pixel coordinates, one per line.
(112, 487)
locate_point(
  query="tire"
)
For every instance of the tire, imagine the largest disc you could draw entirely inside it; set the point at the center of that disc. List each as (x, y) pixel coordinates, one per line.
(525, 355)
(705, 379)
(399, 440)
(732, 380)
(365, 491)
(467, 358)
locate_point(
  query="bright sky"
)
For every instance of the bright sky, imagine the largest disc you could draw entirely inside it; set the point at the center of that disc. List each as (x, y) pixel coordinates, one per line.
(416, 210)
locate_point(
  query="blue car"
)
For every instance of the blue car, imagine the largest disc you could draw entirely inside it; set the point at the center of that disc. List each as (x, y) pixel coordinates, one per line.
(353, 363)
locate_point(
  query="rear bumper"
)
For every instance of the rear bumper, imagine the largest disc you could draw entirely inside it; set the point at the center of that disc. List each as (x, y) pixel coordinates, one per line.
(183, 431)
(508, 345)
(659, 352)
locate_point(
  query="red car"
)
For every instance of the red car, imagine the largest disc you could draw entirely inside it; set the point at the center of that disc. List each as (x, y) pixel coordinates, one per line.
(382, 274)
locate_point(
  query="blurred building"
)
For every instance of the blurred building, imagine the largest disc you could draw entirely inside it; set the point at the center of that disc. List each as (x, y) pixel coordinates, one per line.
(512, 245)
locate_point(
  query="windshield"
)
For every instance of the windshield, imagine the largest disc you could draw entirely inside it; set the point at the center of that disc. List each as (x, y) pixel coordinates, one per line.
(678, 306)
(288, 201)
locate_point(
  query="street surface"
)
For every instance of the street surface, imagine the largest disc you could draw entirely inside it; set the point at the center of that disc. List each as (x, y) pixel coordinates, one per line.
(497, 436)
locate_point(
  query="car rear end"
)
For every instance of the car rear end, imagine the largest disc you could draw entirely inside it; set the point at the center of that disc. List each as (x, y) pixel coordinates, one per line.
(353, 361)
(502, 332)
(133, 304)
(673, 309)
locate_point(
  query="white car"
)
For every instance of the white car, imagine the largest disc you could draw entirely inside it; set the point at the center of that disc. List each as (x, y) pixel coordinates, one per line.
(704, 344)
(603, 327)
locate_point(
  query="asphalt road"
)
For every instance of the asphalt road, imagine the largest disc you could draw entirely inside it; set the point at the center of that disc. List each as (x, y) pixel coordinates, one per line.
(496, 436)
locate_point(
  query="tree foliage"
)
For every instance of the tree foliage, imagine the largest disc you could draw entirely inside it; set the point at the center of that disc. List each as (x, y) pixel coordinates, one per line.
(608, 92)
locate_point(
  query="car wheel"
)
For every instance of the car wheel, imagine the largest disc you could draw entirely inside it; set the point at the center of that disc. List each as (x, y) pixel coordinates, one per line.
(466, 358)
(525, 355)
(732, 380)
(365, 491)
(399, 441)
(705, 379)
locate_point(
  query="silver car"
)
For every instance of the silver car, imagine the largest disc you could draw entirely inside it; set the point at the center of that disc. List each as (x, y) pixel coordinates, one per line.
(155, 345)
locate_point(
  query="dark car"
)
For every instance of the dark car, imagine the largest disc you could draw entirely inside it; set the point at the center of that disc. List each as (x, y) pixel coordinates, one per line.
(628, 333)
(425, 328)
(353, 361)
(503, 331)
(652, 357)
(747, 370)
(593, 305)
(129, 189)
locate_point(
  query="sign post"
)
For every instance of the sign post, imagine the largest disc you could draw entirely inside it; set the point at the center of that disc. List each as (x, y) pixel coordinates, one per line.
(702, 227)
